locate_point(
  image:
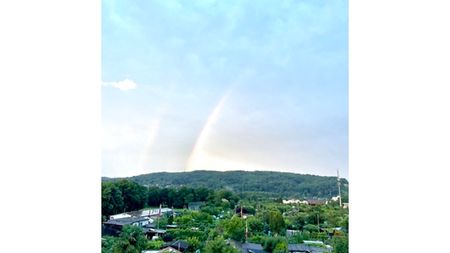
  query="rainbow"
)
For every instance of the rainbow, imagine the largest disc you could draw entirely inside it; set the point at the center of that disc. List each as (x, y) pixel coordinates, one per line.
(198, 153)
(151, 136)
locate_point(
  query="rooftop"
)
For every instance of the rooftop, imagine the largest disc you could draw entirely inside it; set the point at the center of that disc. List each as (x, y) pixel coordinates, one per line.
(252, 248)
(306, 248)
(125, 221)
(178, 244)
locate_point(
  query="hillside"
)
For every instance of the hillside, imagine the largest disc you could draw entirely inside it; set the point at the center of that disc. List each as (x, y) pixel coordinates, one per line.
(277, 184)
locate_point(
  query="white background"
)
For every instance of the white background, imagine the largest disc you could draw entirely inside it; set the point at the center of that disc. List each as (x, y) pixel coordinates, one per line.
(50, 126)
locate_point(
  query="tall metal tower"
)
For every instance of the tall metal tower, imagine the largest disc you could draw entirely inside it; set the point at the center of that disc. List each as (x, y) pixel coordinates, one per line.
(339, 188)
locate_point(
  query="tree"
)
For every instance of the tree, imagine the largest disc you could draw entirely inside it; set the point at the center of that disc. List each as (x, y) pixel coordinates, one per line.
(281, 247)
(218, 245)
(108, 243)
(201, 194)
(300, 219)
(340, 244)
(131, 240)
(300, 237)
(235, 229)
(255, 225)
(194, 243)
(154, 244)
(311, 228)
(112, 199)
(134, 195)
(171, 195)
(178, 197)
(153, 196)
(272, 243)
(223, 198)
(185, 195)
(164, 197)
(276, 221)
(315, 215)
(170, 220)
(288, 184)
(344, 223)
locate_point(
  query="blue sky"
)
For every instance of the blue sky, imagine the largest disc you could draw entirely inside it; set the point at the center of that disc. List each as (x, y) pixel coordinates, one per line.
(224, 85)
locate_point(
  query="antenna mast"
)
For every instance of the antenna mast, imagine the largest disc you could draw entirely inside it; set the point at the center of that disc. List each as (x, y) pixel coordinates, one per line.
(339, 188)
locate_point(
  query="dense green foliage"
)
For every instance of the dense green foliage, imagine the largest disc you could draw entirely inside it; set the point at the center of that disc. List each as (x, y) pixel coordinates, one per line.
(275, 220)
(218, 222)
(154, 244)
(131, 240)
(235, 229)
(218, 245)
(281, 184)
(340, 244)
(275, 244)
(124, 195)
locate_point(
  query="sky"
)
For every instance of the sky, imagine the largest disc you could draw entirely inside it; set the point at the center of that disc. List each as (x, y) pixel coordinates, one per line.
(224, 85)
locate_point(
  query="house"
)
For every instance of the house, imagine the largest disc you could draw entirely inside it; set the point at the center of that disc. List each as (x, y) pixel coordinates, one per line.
(290, 232)
(179, 245)
(294, 201)
(114, 227)
(143, 213)
(332, 231)
(169, 250)
(119, 216)
(153, 233)
(252, 248)
(313, 242)
(151, 212)
(135, 221)
(164, 250)
(305, 248)
(336, 198)
(345, 205)
(291, 201)
(292, 248)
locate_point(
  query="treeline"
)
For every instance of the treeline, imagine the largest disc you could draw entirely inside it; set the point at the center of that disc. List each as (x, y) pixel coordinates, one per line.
(124, 196)
(276, 184)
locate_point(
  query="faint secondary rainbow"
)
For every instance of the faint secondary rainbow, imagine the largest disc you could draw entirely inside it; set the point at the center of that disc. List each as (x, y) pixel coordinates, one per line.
(152, 132)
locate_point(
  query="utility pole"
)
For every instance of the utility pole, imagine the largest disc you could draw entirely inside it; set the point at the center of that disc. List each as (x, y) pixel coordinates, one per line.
(246, 230)
(318, 222)
(159, 214)
(339, 188)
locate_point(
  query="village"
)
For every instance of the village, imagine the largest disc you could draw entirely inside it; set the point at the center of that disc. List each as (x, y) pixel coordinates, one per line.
(247, 226)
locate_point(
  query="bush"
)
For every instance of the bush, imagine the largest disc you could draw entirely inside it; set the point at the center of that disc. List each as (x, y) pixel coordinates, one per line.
(311, 228)
(257, 239)
(340, 244)
(281, 247)
(218, 245)
(271, 243)
(156, 244)
(300, 237)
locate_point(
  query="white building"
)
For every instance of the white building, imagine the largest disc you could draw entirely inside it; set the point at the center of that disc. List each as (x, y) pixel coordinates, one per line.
(119, 216)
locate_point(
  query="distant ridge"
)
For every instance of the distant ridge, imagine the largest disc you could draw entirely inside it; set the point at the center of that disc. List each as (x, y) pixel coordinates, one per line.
(277, 184)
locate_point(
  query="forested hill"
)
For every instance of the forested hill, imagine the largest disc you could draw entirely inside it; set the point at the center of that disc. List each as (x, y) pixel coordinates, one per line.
(279, 184)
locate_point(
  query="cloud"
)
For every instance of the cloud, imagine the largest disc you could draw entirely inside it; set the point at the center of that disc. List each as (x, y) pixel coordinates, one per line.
(125, 85)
